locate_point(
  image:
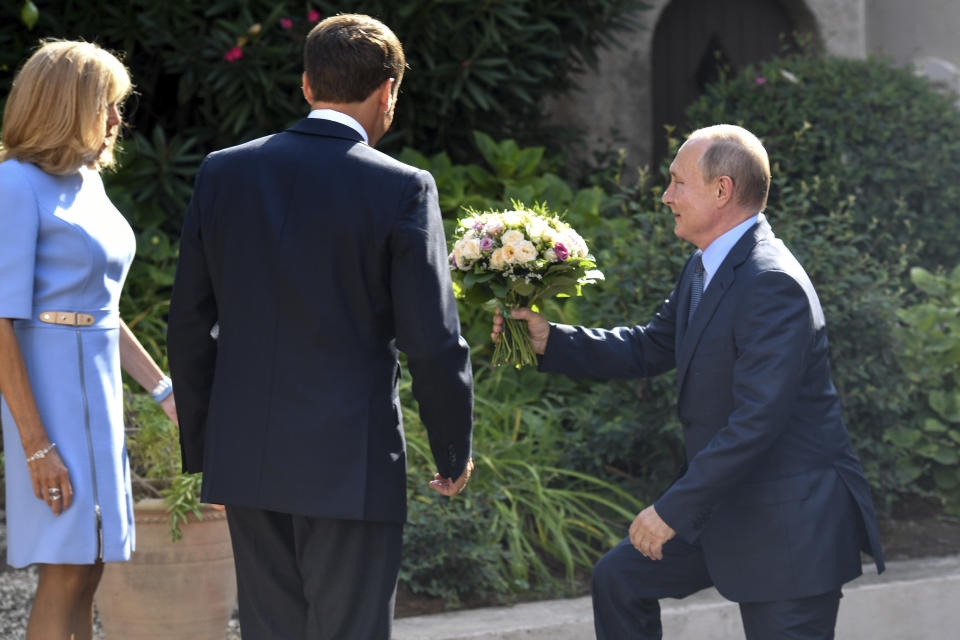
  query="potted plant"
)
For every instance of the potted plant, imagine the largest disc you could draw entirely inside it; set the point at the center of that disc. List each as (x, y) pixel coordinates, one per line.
(180, 582)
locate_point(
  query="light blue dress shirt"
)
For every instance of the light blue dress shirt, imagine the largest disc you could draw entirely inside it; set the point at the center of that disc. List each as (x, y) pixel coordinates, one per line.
(717, 251)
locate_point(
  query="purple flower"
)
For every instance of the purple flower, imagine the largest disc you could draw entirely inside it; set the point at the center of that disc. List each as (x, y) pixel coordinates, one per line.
(760, 80)
(453, 260)
(561, 250)
(286, 23)
(486, 243)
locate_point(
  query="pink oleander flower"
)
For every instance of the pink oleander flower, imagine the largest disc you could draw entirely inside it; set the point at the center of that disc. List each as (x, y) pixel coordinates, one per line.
(760, 80)
(313, 15)
(486, 243)
(286, 23)
(561, 250)
(234, 54)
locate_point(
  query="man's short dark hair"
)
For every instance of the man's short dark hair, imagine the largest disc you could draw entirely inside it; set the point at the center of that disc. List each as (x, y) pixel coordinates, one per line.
(347, 56)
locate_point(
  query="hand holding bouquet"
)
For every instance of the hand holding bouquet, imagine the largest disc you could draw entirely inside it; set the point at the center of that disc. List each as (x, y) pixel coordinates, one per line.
(517, 258)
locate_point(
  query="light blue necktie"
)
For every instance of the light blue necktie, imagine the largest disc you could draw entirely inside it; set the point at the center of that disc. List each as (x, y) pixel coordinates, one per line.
(696, 287)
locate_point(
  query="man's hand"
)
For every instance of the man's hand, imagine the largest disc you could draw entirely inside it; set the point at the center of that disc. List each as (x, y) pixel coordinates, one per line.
(447, 486)
(169, 406)
(537, 327)
(649, 533)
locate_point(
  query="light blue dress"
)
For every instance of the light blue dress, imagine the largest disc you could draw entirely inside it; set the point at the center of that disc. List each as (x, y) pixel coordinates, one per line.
(65, 247)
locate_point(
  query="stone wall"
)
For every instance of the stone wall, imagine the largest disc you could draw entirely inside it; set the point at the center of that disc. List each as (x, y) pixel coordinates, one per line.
(614, 106)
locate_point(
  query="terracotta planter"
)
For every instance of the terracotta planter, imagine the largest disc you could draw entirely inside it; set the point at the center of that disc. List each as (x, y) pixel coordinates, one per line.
(184, 590)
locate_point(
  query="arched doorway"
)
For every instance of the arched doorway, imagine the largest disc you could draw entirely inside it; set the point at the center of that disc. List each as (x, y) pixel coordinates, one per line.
(694, 37)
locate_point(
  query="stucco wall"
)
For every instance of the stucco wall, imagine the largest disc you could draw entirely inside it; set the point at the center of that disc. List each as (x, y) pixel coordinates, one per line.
(615, 106)
(908, 30)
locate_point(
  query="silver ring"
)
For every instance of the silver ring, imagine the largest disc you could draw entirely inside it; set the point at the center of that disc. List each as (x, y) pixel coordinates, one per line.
(54, 497)
(54, 493)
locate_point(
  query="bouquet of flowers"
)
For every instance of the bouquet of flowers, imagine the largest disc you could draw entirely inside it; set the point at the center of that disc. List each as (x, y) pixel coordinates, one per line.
(517, 258)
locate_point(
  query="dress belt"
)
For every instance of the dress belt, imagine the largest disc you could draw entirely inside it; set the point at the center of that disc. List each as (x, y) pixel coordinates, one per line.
(70, 318)
(91, 319)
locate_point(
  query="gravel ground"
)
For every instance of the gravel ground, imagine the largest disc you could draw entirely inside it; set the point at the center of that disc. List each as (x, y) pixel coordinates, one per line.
(16, 594)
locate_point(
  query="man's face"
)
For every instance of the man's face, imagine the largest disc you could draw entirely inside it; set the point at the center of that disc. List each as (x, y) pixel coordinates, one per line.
(691, 200)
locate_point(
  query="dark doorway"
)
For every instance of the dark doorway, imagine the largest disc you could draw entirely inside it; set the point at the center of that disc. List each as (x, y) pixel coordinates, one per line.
(693, 38)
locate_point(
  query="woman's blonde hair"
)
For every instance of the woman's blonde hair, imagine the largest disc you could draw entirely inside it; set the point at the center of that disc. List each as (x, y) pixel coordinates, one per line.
(56, 113)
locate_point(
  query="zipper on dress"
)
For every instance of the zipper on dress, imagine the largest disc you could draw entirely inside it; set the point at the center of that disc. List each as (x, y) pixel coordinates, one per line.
(93, 473)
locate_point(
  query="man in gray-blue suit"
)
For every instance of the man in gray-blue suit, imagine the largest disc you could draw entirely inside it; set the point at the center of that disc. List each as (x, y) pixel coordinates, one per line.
(772, 506)
(317, 257)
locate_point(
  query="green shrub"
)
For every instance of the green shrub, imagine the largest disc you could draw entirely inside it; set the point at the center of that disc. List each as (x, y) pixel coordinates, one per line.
(539, 517)
(929, 446)
(485, 66)
(885, 135)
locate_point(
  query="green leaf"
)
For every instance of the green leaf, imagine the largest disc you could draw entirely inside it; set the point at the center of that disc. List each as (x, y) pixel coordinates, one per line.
(927, 282)
(29, 14)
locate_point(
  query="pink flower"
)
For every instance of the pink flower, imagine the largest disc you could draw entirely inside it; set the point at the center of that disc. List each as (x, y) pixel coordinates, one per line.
(760, 80)
(313, 15)
(561, 250)
(233, 54)
(486, 243)
(286, 23)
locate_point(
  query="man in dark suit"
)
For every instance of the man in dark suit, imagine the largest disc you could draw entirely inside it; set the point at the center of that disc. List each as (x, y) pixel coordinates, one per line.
(314, 258)
(772, 506)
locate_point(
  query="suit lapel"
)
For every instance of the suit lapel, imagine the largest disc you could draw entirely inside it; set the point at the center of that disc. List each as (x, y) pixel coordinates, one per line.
(719, 285)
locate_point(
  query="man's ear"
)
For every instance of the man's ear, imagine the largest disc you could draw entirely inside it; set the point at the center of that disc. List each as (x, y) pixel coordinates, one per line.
(305, 87)
(385, 95)
(725, 189)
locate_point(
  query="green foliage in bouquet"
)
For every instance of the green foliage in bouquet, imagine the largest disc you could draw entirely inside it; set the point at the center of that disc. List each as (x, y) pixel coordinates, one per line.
(929, 447)
(518, 258)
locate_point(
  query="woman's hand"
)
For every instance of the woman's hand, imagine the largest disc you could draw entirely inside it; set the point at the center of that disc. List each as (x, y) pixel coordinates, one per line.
(51, 481)
(169, 406)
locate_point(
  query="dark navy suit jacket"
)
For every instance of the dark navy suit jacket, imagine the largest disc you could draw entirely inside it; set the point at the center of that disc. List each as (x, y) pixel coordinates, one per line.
(319, 257)
(772, 490)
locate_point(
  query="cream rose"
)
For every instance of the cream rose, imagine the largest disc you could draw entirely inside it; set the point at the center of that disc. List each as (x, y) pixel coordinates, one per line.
(512, 237)
(470, 249)
(496, 260)
(509, 253)
(526, 252)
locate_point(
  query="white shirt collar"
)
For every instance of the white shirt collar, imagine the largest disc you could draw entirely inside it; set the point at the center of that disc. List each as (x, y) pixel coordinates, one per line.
(342, 118)
(715, 253)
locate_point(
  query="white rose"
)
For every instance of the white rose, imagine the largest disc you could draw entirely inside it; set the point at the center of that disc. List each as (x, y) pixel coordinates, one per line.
(536, 228)
(512, 218)
(512, 237)
(509, 253)
(526, 252)
(550, 255)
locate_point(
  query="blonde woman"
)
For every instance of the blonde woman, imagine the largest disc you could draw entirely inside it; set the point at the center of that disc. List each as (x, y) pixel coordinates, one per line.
(64, 253)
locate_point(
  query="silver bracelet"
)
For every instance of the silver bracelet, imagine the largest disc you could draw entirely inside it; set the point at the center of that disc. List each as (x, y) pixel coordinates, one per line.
(163, 389)
(42, 453)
